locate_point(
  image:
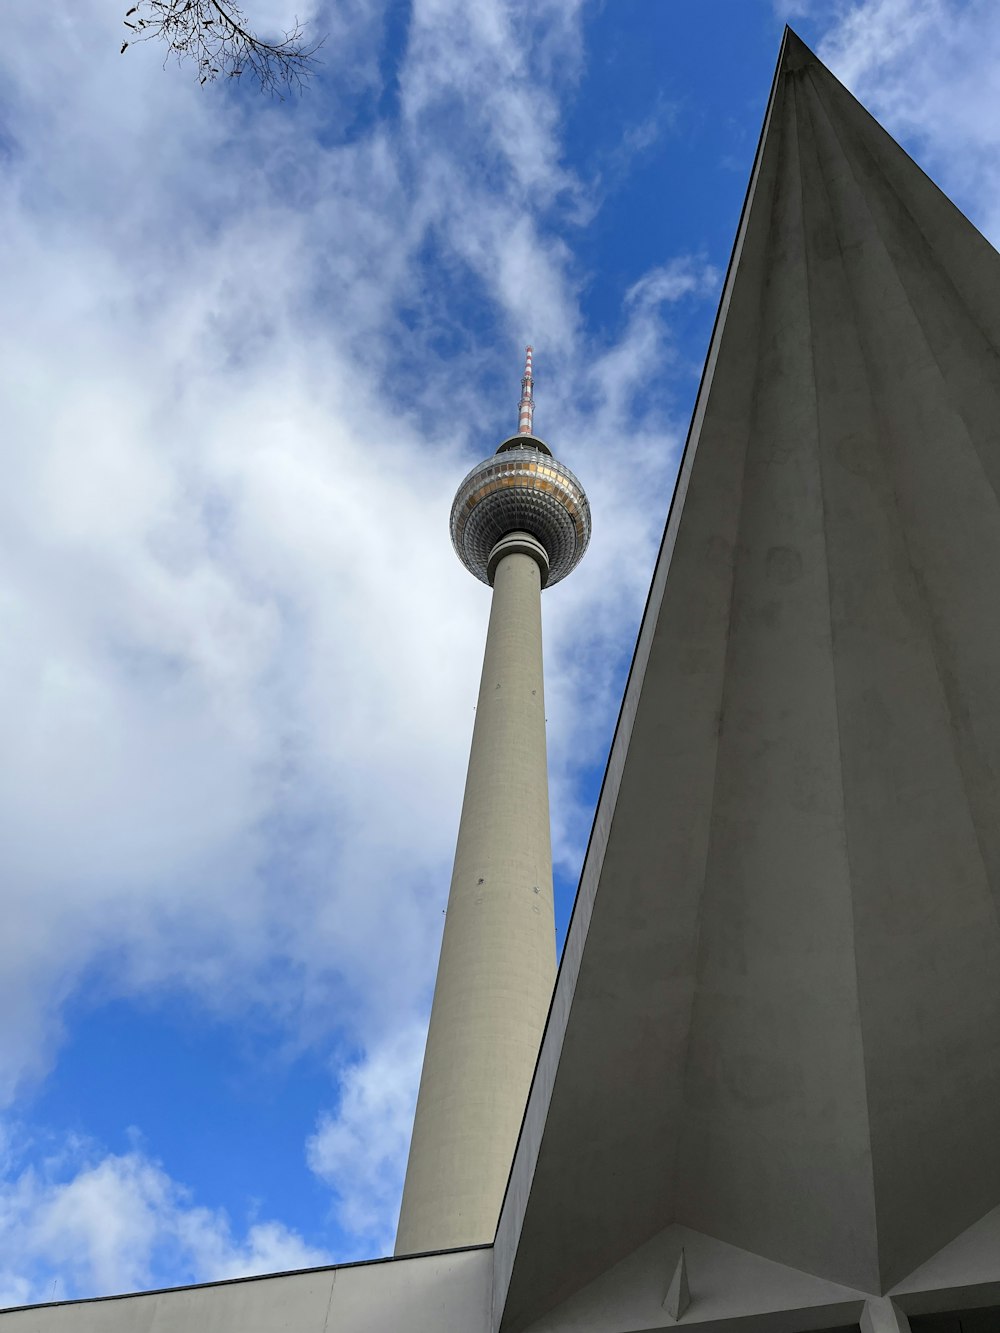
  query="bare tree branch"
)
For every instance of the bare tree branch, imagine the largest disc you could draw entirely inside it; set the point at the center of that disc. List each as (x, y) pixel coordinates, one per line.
(215, 35)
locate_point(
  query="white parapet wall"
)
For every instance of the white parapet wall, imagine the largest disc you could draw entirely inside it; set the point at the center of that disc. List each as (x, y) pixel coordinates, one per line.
(432, 1293)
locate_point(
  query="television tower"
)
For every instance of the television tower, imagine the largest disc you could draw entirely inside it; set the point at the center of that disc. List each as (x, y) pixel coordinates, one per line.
(520, 522)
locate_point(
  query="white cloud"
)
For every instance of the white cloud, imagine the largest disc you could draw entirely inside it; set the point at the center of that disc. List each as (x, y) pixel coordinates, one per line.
(789, 10)
(78, 1222)
(360, 1151)
(682, 276)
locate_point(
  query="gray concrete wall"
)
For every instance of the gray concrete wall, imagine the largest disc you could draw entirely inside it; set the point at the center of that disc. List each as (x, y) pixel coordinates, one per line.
(726, 1288)
(778, 1016)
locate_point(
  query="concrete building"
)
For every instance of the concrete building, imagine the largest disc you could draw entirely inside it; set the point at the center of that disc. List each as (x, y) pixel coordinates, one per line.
(767, 1098)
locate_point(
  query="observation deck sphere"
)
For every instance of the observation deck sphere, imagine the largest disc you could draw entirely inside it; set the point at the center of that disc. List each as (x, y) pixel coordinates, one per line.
(521, 488)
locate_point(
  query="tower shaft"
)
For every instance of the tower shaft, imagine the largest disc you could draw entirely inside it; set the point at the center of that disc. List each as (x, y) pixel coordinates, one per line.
(497, 962)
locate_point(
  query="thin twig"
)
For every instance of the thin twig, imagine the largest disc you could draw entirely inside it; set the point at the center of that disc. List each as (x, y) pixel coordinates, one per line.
(214, 34)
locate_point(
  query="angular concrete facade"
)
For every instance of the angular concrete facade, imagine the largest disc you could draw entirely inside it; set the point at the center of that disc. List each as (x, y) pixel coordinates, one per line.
(768, 1094)
(777, 1021)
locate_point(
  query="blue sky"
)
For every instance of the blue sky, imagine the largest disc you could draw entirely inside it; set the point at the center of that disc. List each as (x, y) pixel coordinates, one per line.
(247, 351)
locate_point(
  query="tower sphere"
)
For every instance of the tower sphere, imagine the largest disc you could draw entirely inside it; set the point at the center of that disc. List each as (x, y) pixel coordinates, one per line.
(521, 488)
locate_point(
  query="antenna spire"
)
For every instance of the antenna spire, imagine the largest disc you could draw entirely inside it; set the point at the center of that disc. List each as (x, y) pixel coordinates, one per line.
(526, 407)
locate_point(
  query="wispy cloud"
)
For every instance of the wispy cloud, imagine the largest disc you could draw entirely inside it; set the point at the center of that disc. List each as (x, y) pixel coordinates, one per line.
(682, 276)
(360, 1151)
(77, 1221)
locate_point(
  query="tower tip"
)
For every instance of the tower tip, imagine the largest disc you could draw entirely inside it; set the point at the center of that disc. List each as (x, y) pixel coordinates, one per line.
(526, 407)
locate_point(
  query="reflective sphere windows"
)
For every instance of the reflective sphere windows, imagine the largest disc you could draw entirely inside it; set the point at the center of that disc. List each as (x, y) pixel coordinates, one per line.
(521, 489)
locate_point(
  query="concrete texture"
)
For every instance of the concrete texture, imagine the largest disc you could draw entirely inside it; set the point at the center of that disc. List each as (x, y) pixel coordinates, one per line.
(497, 963)
(777, 1020)
(963, 1275)
(724, 1285)
(883, 1316)
(438, 1293)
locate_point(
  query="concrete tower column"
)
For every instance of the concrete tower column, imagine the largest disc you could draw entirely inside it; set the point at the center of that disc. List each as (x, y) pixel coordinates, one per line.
(520, 522)
(498, 960)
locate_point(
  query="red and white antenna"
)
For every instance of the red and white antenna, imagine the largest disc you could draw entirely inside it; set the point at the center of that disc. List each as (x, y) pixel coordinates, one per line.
(526, 407)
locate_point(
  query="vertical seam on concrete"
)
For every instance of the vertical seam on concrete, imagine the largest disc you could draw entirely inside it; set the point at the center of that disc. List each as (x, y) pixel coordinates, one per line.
(931, 254)
(833, 654)
(931, 250)
(930, 621)
(956, 403)
(782, 87)
(329, 1303)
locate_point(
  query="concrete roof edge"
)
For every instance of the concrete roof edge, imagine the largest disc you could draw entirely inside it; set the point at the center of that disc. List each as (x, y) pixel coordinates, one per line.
(247, 1277)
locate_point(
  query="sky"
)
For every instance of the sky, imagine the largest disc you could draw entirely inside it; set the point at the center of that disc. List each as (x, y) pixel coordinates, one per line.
(248, 349)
